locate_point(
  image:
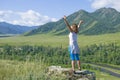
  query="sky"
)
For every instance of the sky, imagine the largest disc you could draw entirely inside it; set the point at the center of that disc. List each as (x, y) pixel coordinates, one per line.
(39, 12)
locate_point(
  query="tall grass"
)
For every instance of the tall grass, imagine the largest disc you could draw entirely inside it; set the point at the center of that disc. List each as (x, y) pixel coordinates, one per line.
(35, 70)
(104, 76)
(25, 70)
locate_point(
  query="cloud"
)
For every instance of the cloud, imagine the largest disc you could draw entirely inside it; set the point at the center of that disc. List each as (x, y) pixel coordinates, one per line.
(28, 18)
(96, 4)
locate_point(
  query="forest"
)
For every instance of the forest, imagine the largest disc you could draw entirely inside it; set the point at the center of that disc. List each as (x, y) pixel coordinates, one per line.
(102, 53)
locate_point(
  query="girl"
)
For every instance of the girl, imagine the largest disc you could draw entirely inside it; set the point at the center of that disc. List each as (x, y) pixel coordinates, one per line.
(73, 45)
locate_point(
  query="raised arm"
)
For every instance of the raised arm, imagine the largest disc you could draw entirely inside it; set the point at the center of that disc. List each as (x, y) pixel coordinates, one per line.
(81, 21)
(67, 24)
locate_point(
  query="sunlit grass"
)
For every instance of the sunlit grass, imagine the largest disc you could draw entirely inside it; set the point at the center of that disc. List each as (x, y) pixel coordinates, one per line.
(110, 69)
(46, 39)
(104, 76)
(14, 70)
(25, 70)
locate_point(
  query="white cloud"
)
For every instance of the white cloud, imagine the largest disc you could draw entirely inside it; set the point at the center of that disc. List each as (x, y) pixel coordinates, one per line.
(28, 18)
(96, 4)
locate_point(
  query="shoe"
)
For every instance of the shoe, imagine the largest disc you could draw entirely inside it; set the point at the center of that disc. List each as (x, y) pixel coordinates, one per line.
(74, 72)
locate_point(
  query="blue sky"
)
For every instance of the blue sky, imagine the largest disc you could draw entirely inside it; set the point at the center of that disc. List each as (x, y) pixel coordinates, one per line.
(38, 12)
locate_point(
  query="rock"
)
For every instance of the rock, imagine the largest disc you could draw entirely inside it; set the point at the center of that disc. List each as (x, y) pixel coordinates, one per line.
(68, 73)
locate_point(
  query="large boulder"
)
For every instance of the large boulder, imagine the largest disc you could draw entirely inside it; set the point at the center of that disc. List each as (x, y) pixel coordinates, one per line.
(68, 73)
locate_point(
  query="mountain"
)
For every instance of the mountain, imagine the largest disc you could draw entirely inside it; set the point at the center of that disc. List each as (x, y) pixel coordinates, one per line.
(101, 21)
(6, 28)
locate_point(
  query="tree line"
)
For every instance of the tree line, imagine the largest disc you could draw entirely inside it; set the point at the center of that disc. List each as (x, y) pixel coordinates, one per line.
(101, 53)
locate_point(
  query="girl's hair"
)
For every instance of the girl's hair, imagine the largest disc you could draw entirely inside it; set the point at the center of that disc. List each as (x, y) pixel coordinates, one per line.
(76, 27)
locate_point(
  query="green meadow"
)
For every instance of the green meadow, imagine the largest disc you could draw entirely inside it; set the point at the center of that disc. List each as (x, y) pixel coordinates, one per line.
(34, 70)
(25, 70)
(104, 76)
(56, 41)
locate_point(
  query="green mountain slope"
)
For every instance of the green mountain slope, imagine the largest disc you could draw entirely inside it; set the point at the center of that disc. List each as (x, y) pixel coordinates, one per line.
(104, 20)
(7, 28)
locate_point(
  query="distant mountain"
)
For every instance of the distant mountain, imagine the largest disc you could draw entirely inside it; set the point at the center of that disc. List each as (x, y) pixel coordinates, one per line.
(6, 28)
(104, 20)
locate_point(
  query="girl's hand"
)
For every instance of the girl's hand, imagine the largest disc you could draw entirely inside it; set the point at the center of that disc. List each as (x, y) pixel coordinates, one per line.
(64, 17)
(81, 21)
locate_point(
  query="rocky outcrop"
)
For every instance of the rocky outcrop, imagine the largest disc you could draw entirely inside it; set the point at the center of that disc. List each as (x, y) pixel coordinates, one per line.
(68, 73)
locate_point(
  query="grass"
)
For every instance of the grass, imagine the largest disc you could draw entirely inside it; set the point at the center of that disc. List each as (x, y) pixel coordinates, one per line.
(110, 69)
(113, 70)
(46, 39)
(25, 70)
(114, 65)
(104, 76)
(16, 70)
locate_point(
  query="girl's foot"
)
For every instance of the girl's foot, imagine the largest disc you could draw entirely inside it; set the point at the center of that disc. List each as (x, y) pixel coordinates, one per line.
(73, 71)
(79, 69)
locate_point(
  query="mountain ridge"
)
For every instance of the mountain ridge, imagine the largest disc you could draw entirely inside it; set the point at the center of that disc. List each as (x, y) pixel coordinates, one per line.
(101, 21)
(7, 28)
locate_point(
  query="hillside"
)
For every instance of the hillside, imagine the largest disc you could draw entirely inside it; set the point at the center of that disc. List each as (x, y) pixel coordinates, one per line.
(6, 28)
(101, 21)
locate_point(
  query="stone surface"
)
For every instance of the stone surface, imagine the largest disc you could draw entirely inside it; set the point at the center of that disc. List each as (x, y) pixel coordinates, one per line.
(78, 75)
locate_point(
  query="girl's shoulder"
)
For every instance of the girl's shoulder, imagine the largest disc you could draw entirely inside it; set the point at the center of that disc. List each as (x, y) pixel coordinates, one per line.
(73, 33)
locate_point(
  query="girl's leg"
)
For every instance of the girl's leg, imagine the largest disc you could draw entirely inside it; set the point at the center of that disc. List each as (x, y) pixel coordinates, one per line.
(78, 63)
(72, 61)
(73, 65)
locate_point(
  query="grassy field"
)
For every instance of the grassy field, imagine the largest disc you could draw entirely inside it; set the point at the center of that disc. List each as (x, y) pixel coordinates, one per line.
(18, 70)
(46, 39)
(14, 70)
(110, 69)
(25, 70)
(104, 76)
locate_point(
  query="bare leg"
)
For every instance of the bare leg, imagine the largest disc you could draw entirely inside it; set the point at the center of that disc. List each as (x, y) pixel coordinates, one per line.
(73, 65)
(79, 64)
